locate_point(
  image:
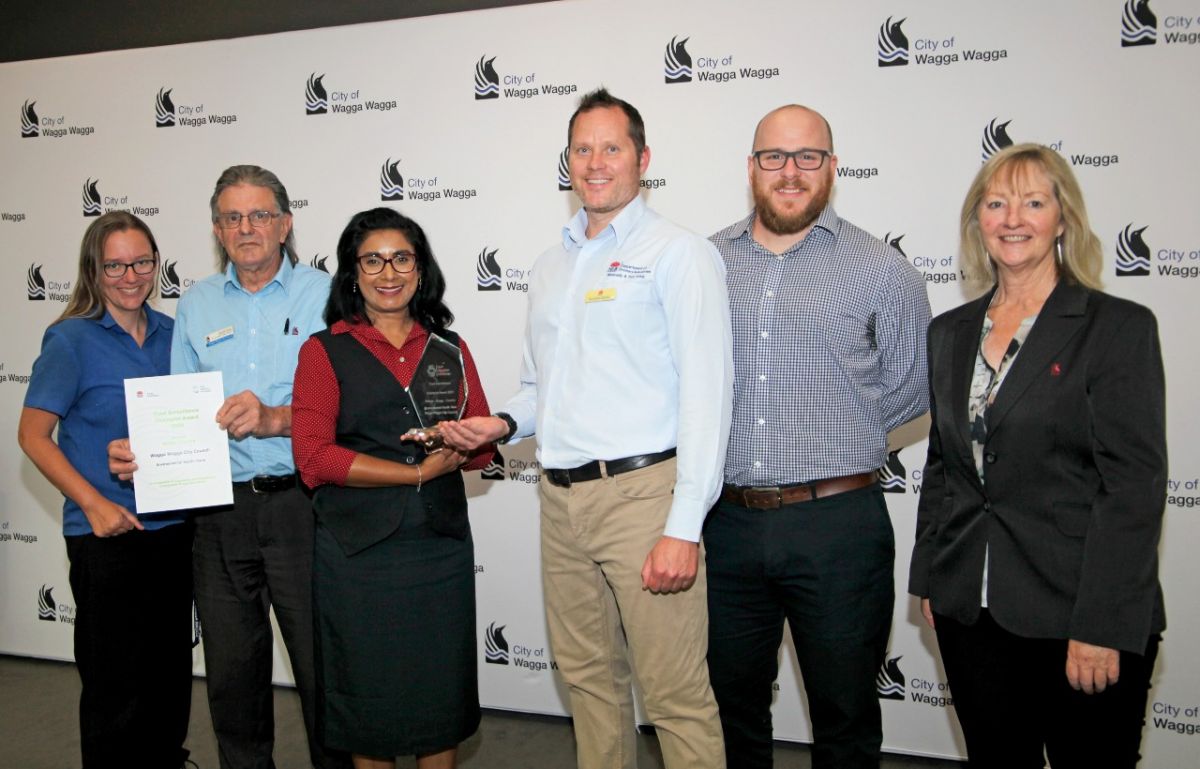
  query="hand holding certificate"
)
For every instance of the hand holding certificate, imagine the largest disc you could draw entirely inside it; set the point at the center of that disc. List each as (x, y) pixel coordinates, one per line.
(182, 455)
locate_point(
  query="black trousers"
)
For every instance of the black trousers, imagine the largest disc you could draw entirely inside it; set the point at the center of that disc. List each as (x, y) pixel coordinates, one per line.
(246, 560)
(826, 567)
(1017, 708)
(133, 646)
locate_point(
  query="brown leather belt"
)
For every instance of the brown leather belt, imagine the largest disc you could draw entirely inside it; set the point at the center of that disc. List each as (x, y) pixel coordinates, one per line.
(774, 497)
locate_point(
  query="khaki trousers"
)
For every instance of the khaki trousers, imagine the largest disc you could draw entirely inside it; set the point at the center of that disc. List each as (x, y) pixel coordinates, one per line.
(595, 539)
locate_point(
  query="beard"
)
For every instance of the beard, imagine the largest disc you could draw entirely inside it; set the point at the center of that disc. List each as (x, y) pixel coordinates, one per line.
(790, 223)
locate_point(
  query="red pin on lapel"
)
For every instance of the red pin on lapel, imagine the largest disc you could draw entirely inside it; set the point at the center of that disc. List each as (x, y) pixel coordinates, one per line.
(1055, 369)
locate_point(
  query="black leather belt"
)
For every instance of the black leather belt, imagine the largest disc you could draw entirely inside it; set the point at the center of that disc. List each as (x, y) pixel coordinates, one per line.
(267, 484)
(774, 497)
(591, 471)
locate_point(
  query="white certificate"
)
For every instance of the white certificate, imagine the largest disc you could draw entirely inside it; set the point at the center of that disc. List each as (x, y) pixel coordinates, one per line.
(182, 455)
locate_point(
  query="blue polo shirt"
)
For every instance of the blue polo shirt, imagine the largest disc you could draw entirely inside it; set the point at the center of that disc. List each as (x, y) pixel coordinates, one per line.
(80, 376)
(254, 340)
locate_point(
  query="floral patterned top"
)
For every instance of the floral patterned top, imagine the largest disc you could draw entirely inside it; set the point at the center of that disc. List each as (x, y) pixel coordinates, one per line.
(985, 383)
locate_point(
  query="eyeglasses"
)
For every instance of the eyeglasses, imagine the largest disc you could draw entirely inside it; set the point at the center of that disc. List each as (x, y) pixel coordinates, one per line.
(231, 220)
(806, 159)
(140, 267)
(401, 261)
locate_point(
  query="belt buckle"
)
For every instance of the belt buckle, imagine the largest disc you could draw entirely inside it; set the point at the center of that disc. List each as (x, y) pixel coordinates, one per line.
(254, 486)
(763, 493)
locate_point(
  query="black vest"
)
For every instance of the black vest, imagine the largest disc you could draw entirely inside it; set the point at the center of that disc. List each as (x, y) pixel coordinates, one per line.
(374, 410)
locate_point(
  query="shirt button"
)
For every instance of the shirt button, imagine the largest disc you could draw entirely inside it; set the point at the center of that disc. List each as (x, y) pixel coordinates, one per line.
(401, 358)
(762, 377)
(762, 421)
(990, 458)
(252, 366)
(253, 331)
(770, 292)
(758, 464)
(763, 334)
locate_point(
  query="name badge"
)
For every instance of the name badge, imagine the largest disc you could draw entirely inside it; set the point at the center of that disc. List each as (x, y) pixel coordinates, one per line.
(600, 295)
(219, 336)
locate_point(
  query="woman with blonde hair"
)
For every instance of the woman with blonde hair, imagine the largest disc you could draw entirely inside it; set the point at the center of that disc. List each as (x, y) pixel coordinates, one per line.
(1038, 523)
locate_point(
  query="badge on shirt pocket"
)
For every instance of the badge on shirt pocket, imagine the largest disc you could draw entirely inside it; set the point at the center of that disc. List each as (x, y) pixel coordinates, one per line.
(216, 337)
(600, 295)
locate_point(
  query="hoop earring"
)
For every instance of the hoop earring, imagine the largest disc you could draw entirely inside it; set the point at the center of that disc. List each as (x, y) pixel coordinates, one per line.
(1058, 248)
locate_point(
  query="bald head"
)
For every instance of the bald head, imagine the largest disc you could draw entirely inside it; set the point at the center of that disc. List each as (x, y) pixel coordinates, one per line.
(793, 118)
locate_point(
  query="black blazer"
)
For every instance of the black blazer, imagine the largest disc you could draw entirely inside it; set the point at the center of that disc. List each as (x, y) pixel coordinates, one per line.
(1075, 466)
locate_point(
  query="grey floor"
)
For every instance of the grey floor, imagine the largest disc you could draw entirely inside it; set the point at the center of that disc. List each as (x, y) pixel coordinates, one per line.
(39, 730)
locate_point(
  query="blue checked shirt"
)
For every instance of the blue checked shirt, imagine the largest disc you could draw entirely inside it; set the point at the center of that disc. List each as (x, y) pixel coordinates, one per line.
(828, 352)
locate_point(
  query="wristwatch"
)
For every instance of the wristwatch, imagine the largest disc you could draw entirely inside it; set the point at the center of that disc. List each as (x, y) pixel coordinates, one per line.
(512, 427)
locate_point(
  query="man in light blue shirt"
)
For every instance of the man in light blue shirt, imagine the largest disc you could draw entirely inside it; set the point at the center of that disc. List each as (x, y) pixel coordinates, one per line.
(626, 381)
(248, 322)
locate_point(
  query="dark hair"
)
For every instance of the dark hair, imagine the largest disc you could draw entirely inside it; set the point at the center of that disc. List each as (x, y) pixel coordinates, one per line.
(87, 300)
(346, 303)
(600, 98)
(254, 176)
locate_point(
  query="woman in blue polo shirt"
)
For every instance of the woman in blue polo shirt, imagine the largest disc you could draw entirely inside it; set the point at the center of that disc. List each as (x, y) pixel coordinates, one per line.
(130, 575)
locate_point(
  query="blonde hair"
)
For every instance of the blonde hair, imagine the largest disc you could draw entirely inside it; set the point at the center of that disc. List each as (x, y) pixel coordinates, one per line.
(87, 300)
(1082, 257)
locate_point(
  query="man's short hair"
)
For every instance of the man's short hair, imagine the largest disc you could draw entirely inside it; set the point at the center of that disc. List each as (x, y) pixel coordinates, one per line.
(601, 98)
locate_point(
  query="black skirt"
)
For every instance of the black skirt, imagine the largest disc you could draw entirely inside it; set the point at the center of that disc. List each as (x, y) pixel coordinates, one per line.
(395, 643)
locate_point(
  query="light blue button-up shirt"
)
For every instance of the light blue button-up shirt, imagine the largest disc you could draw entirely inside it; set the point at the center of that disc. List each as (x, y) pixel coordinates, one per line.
(253, 339)
(628, 352)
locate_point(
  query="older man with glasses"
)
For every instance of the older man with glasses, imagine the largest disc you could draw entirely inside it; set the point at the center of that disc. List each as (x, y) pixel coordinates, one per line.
(248, 322)
(829, 355)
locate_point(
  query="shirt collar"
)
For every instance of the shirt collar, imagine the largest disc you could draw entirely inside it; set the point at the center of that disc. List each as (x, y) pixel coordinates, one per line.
(575, 230)
(827, 220)
(108, 321)
(282, 276)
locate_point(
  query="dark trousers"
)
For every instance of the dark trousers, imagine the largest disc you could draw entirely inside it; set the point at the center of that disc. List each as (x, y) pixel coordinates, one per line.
(133, 646)
(248, 559)
(826, 566)
(1016, 706)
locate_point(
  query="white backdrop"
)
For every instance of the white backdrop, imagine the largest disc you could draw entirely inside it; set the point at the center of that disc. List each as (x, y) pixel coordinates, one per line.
(1110, 83)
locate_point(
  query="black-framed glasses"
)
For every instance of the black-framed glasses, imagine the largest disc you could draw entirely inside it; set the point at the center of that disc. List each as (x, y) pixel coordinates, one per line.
(401, 261)
(140, 267)
(806, 158)
(231, 220)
